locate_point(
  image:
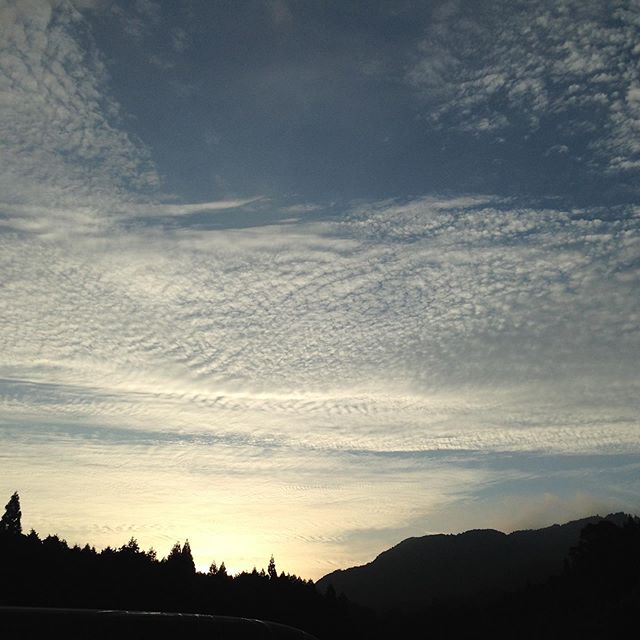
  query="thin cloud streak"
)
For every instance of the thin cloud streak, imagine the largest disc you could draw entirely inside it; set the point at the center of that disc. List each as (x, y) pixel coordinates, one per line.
(153, 209)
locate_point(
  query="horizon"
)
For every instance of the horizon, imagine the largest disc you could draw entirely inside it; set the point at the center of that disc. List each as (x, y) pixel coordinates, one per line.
(305, 280)
(203, 565)
(235, 571)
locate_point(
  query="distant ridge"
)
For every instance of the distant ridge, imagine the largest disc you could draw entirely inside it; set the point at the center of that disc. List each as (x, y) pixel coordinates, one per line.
(481, 563)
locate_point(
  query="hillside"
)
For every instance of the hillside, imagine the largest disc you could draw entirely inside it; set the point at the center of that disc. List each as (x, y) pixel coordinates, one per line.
(440, 568)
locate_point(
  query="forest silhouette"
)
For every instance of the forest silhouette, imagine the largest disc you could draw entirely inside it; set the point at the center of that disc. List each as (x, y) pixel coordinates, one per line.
(596, 593)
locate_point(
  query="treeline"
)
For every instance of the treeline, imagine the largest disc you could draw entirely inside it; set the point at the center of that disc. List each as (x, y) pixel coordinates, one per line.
(596, 596)
(49, 573)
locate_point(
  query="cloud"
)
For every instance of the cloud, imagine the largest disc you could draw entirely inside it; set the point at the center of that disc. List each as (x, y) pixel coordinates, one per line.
(567, 70)
(87, 5)
(179, 40)
(138, 19)
(242, 501)
(309, 509)
(68, 166)
(155, 209)
(315, 362)
(552, 509)
(426, 325)
(62, 146)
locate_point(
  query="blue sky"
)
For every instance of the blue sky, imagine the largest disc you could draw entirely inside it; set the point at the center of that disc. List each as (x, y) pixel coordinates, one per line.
(308, 278)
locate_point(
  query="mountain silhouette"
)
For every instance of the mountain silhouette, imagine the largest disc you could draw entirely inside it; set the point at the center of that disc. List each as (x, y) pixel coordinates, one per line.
(479, 564)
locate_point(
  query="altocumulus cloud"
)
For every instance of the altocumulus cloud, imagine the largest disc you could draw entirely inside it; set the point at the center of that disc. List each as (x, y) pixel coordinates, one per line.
(61, 144)
(437, 317)
(307, 378)
(564, 70)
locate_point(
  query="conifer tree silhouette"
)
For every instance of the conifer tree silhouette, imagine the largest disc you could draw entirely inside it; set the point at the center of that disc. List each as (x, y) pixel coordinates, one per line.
(271, 569)
(11, 520)
(180, 559)
(187, 557)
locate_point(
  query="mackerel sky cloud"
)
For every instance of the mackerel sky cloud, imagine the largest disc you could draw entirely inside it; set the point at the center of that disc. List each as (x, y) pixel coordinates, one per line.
(308, 279)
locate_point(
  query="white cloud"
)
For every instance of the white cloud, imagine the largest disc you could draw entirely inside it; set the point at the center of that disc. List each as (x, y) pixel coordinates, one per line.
(67, 165)
(569, 66)
(426, 325)
(277, 356)
(157, 209)
(60, 142)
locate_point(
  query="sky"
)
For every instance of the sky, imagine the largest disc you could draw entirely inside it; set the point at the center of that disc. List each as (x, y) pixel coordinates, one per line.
(308, 278)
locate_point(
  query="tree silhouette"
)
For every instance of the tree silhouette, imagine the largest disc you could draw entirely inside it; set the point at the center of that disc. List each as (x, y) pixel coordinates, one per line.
(175, 553)
(271, 569)
(52, 574)
(10, 522)
(187, 557)
(598, 596)
(180, 559)
(132, 547)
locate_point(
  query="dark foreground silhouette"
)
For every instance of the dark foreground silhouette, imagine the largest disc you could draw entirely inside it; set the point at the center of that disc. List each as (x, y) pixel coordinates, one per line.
(487, 590)
(476, 565)
(36, 622)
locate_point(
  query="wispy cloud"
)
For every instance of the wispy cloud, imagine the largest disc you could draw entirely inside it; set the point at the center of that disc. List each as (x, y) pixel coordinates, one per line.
(158, 209)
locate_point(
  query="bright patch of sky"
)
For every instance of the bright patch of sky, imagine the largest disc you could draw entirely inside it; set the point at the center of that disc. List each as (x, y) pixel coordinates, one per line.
(308, 278)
